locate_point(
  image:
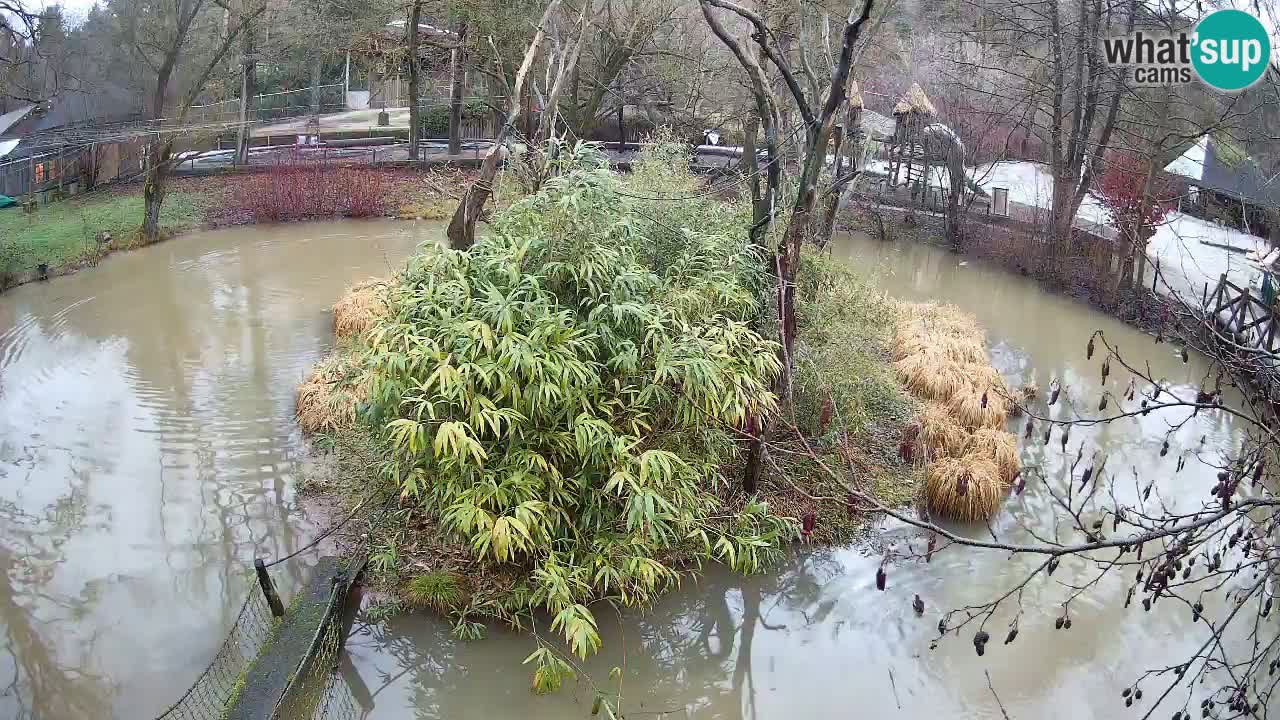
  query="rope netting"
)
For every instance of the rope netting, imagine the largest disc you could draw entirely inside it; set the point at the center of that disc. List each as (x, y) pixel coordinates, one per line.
(320, 692)
(209, 695)
(317, 691)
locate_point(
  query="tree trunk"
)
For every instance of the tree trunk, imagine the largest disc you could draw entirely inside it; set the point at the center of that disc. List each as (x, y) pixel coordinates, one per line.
(248, 89)
(415, 113)
(836, 191)
(457, 83)
(317, 71)
(155, 188)
(462, 227)
(749, 163)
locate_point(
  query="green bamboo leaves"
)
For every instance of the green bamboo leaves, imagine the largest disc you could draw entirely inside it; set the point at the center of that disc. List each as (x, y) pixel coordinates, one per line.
(559, 396)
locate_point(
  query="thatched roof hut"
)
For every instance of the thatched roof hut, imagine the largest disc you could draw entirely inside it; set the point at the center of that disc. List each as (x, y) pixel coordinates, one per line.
(914, 101)
(855, 95)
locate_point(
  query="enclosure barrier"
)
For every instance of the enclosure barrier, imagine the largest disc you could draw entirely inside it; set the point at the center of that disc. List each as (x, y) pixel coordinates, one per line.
(312, 688)
(208, 696)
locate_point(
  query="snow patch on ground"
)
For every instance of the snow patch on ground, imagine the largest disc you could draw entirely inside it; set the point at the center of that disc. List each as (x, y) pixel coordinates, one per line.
(1187, 263)
(1179, 245)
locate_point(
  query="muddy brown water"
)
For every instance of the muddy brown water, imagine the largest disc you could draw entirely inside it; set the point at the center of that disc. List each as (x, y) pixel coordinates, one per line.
(148, 453)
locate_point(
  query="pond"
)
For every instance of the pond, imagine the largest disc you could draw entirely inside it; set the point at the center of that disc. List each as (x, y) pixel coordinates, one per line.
(148, 454)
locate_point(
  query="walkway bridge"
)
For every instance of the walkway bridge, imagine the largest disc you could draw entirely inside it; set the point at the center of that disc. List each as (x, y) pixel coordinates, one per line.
(282, 662)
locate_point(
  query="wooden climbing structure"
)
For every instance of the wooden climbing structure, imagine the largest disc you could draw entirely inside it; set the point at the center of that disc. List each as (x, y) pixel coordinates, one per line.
(908, 161)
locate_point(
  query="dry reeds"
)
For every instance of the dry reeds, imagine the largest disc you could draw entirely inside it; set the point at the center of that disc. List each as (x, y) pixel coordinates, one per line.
(360, 309)
(914, 101)
(999, 446)
(327, 399)
(967, 488)
(939, 354)
(939, 434)
(977, 408)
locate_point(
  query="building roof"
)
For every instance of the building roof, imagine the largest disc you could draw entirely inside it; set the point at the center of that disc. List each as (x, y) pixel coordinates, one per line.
(10, 119)
(877, 126)
(1214, 165)
(914, 101)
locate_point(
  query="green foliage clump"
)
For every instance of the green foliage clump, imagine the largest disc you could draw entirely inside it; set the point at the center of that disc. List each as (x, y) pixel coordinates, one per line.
(435, 120)
(848, 400)
(560, 395)
(439, 590)
(846, 326)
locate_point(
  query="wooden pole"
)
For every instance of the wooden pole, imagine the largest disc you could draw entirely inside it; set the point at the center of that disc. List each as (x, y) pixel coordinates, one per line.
(268, 588)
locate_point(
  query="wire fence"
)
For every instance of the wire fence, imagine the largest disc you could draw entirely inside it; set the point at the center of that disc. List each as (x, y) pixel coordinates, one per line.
(216, 687)
(319, 691)
(274, 106)
(315, 689)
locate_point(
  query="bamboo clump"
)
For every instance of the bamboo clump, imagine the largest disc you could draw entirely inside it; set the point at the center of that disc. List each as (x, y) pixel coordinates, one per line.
(971, 460)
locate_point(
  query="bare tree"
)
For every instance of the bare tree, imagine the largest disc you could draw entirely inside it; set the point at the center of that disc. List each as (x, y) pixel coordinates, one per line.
(462, 226)
(166, 36)
(1047, 59)
(415, 120)
(817, 121)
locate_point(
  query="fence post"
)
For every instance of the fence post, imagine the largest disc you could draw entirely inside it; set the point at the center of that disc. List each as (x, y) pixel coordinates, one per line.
(268, 588)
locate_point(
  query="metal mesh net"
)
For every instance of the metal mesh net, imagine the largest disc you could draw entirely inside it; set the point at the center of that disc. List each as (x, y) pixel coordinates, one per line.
(322, 693)
(209, 695)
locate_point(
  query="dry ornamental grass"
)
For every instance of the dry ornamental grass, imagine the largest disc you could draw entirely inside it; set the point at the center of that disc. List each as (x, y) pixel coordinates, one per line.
(940, 355)
(327, 400)
(357, 312)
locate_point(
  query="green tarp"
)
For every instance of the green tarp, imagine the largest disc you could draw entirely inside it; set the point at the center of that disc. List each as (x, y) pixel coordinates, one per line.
(6, 201)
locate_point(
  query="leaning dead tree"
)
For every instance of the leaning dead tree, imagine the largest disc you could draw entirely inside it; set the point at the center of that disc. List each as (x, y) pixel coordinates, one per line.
(818, 114)
(462, 226)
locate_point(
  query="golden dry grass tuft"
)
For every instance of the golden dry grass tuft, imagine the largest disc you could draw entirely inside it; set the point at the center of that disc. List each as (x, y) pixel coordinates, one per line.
(967, 488)
(998, 445)
(363, 305)
(940, 355)
(328, 398)
(976, 408)
(939, 434)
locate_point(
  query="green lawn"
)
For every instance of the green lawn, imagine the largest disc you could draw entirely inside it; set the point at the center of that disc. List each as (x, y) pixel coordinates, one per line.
(62, 233)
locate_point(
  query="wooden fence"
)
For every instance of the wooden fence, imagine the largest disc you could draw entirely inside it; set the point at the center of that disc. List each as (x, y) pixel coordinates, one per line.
(1251, 320)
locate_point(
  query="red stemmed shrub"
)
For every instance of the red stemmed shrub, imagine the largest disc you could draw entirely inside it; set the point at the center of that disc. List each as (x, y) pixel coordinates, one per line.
(300, 189)
(1121, 189)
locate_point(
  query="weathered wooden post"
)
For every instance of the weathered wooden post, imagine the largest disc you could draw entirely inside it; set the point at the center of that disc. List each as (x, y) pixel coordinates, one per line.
(268, 588)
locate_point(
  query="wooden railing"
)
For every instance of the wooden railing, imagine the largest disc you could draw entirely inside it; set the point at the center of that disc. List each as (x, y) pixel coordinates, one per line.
(1249, 318)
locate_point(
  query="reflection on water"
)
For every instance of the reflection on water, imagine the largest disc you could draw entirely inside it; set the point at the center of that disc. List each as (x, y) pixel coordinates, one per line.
(148, 453)
(815, 639)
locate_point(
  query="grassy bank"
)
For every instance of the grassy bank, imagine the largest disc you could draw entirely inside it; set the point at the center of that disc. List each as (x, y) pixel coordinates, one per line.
(64, 235)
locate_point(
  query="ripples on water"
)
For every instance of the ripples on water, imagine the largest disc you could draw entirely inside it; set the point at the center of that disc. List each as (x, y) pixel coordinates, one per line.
(148, 453)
